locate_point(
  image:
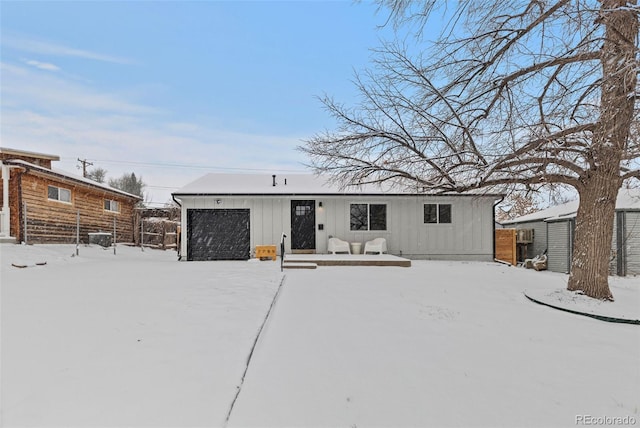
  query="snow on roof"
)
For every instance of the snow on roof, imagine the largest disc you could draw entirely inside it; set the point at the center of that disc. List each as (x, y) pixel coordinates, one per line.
(217, 184)
(16, 152)
(286, 184)
(71, 177)
(628, 199)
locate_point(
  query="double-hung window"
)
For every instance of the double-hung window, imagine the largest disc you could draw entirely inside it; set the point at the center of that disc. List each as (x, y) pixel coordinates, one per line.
(368, 217)
(110, 205)
(59, 194)
(437, 213)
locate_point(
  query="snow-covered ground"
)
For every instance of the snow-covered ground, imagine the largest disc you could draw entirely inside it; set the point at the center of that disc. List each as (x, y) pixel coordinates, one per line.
(139, 339)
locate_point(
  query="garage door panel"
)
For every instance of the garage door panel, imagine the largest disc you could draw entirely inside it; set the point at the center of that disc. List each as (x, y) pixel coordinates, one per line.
(222, 234)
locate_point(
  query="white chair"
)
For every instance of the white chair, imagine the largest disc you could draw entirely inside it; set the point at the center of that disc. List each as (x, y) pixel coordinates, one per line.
(378, 246)
(338, 246)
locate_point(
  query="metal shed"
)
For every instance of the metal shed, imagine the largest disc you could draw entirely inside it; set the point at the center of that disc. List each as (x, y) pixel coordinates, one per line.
(554, 232)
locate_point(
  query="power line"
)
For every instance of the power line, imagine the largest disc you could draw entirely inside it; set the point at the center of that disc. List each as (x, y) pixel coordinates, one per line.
(162, 187)
(175, 165)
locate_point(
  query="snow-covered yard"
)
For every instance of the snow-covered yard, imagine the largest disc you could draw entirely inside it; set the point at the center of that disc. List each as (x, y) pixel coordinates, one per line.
(139, 339)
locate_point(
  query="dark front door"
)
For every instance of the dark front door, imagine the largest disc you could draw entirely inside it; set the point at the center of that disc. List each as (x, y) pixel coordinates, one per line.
(303, 225)
(218, 234)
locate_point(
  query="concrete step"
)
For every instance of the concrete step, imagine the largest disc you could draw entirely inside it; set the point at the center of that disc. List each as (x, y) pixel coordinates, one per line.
(299, 265)
(7, 240)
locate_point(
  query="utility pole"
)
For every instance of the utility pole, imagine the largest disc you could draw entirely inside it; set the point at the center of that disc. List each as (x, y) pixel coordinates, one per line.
(84, 163)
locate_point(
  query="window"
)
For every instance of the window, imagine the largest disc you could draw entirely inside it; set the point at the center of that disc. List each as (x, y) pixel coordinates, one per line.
(437, 213)
(110, 205)
(59, 194)
(302, 210)
(368, 217)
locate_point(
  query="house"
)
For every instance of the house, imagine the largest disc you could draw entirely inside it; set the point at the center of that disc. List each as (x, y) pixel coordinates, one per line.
(41, 204)
(224, 216)
(553, 231)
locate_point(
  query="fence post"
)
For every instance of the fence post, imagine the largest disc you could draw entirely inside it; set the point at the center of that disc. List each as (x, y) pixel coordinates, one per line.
(114, 235)
(78, 234)
(24, 210)
(142, 233)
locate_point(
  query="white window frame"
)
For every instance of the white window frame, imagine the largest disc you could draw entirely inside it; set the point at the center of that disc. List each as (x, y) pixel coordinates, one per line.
(59, 192)
(110, 203)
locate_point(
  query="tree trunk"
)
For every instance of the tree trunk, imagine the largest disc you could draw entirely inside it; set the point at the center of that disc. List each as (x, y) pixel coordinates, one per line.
(594, 221)
(592, 241)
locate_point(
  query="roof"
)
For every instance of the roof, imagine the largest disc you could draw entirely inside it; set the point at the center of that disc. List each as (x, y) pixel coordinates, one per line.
(24, 153)
(287, 184)
(627, 200)
(66, 175)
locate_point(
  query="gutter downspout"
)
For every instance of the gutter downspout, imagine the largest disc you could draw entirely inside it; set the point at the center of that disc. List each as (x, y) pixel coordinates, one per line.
(493, 236)
(179, 242)
(5, 226)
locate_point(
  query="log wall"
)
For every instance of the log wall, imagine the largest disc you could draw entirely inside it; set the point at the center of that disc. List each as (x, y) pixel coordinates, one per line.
(50, 221)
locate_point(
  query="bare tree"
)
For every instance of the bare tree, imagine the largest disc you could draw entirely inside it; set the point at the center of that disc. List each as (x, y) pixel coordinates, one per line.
(516, 205)
(129, 183)
(512, 93)
(97, 174)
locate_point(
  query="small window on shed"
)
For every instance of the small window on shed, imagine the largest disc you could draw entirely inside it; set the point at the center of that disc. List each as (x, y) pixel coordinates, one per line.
(110, 205)
(55, 193)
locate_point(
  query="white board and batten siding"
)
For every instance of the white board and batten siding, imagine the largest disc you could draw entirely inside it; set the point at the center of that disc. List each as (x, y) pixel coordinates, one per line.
(468, 237)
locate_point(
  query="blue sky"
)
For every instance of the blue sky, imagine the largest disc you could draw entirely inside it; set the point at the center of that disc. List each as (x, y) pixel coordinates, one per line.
(172, 90)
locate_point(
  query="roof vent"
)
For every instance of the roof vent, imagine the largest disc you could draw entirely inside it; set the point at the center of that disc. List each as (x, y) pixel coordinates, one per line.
(274, 180)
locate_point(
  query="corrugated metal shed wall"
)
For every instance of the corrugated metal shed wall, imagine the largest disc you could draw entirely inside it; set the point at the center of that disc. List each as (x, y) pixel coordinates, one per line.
(559, 235)
(616, 257)
(633, 242)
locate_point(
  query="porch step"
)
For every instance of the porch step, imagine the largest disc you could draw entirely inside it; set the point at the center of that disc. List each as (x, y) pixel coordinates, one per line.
(299, 265)
(7, 240)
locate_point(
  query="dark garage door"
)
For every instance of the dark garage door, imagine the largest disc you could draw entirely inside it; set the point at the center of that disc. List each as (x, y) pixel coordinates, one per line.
(218, 234)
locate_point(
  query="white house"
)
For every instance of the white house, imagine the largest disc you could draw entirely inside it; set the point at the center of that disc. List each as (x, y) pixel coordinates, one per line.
(553, 231)
(224, 216)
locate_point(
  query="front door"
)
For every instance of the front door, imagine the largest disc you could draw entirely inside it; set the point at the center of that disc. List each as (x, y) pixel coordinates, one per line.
(303, 225)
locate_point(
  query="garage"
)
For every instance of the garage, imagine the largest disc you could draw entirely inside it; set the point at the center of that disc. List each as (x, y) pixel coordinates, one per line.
(220, 234)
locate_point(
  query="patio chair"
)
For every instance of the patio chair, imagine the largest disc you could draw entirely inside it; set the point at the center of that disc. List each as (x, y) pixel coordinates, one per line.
(538, 263)
(378, 246)
(338, 246)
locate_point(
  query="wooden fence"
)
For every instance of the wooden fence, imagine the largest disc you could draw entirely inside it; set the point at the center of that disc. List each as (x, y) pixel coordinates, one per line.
(506, 245)
(157, 227)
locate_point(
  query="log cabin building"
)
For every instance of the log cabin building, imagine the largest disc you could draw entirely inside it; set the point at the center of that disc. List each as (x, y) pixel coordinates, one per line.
(41, 204)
